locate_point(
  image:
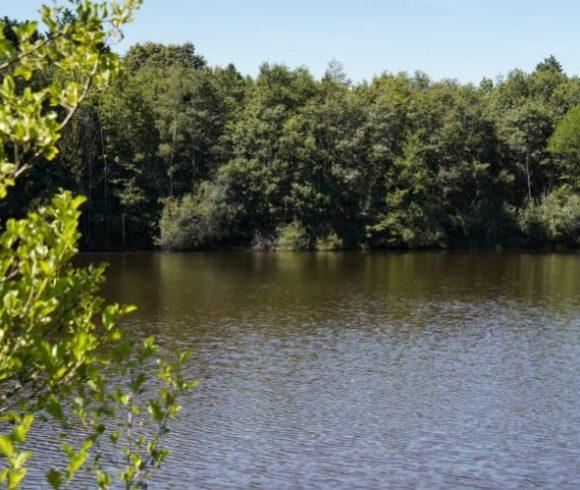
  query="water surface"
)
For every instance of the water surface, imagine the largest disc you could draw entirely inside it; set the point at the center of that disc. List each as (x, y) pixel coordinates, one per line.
(361, 370)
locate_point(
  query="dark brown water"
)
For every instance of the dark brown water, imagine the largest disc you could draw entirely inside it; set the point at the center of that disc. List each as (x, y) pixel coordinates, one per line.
(354, 370)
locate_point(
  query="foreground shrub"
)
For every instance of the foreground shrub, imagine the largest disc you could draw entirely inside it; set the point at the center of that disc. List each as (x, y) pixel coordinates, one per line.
(330, 241)
(293, 237)
(196, 221)
(58, 338)
(554, 219)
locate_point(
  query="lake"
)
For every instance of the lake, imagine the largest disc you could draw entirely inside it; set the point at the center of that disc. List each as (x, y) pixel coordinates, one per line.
(360, 370)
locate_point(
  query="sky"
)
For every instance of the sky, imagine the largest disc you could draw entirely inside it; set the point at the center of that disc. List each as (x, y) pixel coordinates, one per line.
(462, 39)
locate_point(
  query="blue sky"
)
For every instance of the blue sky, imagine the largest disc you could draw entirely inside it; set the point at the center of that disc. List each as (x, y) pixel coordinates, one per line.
(463, 39)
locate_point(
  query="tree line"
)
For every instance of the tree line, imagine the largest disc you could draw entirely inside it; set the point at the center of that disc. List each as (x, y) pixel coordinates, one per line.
(182, 155)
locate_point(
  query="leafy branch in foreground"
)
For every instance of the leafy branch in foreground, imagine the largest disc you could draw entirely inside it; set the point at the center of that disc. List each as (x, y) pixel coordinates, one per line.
(59, 341)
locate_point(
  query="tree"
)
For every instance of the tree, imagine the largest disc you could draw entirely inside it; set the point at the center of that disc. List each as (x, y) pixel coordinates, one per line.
(335, 73)
(155, 55)
(525, 129)
(550, 63)
(57, 336)
(565, 143)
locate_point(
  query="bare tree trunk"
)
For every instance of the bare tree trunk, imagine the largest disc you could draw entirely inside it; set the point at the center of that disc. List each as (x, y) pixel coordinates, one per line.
(171, 158)
(104, 162)
(105, 176)
(193, 168)
(90, 195)
(123, 231)
(529, 176)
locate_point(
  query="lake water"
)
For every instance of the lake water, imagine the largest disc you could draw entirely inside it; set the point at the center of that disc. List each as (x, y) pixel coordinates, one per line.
(365, 370)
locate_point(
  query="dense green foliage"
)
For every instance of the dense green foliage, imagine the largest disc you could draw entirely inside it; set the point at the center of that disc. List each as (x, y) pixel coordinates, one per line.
(182, 155)
(59, 341)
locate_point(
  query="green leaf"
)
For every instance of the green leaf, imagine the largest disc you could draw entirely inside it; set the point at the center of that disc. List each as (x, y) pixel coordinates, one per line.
(54, 478)
(6, 446)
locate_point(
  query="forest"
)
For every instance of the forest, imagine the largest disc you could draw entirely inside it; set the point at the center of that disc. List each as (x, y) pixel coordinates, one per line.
(182, 155)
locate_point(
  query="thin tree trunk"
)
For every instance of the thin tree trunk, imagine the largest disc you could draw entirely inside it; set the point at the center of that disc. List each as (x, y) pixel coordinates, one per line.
(171, 158)
(193, 169)
(529, 176)
(104, 162)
